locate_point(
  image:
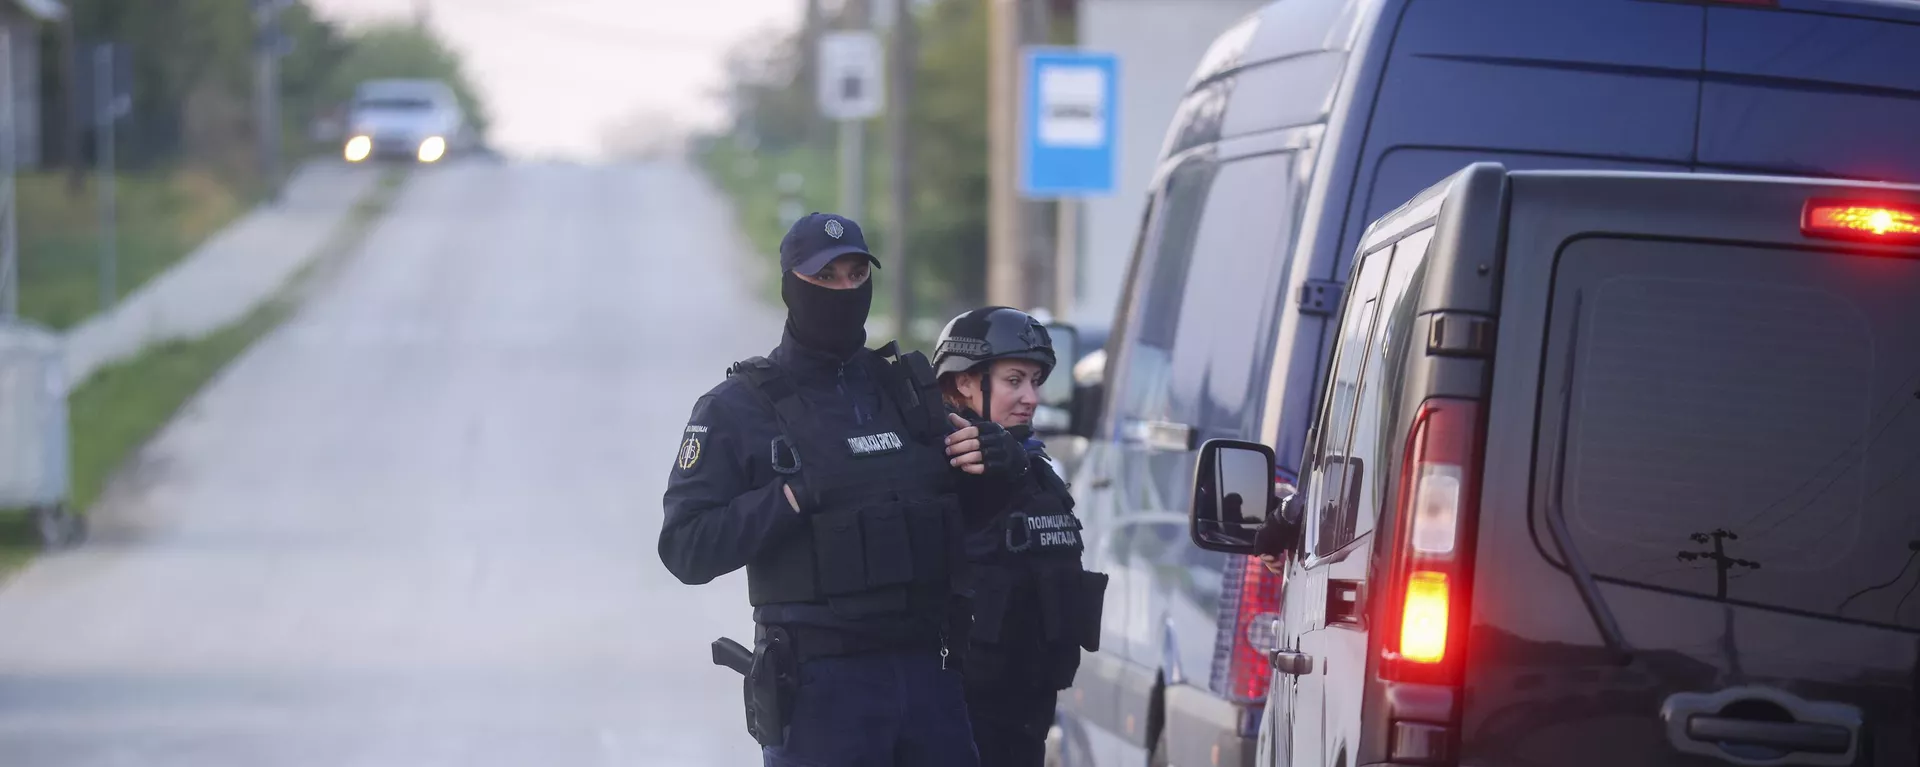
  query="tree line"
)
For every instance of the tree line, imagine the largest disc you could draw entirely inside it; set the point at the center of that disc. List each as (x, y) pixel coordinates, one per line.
(192, 78)
(770, 94)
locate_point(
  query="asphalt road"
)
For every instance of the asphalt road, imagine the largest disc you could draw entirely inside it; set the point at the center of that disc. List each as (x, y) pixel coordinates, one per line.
(416, 525)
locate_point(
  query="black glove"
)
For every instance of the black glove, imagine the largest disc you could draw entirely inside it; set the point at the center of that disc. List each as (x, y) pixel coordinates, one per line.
(1275, 537)
(1003, 453)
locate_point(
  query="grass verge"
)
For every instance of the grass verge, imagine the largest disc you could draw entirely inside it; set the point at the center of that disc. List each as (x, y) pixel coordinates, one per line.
(159, 219)
(123, 405)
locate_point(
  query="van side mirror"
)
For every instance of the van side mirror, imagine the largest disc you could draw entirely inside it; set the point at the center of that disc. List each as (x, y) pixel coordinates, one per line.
(1089, 392)
(1234, 498)
(1054, 415)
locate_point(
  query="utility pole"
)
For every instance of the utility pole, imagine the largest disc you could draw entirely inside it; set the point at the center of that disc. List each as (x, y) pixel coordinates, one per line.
(104, 113)
(811, 16)
(266, 81)
(903, 55)
(1020, 249)
(9, 238)
(1721, 564)
(1006, 228)
(853, 136)
(76, 120)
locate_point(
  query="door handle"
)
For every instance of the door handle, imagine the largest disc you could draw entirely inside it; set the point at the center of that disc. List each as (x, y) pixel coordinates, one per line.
(1291, 663)
(1782, 736)
(1755, 724)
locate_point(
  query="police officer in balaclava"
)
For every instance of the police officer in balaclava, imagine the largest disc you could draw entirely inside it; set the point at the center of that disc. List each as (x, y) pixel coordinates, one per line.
(828, 471)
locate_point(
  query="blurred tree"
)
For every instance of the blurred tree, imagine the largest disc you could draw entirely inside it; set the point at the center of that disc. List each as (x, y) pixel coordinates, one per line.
(769, 99)
(193, 73)
(949, 120)
(773, 109)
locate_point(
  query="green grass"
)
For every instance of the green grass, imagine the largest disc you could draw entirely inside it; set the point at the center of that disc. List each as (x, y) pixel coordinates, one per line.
(160, 218)
(123, 405)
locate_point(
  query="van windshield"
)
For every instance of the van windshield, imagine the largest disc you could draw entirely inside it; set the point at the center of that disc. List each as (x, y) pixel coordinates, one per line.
(1744, 423)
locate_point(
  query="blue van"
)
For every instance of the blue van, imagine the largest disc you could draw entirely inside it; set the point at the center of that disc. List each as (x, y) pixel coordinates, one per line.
(1312, 118)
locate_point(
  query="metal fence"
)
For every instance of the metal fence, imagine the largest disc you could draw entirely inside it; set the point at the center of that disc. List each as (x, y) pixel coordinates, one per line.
(35, 459)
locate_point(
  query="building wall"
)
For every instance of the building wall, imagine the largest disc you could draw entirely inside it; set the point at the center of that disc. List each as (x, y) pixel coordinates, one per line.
(1159, 42)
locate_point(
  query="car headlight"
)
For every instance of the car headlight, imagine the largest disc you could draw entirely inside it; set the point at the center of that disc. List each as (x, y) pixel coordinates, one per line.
(359, 148)
(433, 148)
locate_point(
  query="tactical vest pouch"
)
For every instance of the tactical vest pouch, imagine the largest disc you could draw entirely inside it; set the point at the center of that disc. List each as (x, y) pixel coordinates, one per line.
(1059, 664)
(1071, 602)
(933, 532)
(889, 547)
(1093, 600)
(840, 555)
(992, 598)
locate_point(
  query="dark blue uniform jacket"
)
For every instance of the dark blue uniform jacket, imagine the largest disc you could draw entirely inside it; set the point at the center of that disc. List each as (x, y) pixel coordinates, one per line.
(724, 504)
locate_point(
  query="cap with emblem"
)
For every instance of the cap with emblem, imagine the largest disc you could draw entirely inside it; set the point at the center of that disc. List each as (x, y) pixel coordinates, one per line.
(817, 239)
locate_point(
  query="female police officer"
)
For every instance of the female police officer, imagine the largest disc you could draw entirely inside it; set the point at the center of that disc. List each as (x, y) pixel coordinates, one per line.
(828, 472)
(1034, 608)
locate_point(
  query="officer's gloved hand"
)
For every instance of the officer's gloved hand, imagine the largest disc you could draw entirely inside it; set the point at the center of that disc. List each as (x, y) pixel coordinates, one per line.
(1274, 540)
(985, 447)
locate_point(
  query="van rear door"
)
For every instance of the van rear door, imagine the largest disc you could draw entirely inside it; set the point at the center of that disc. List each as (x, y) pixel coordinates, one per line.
(1814, 87)
(1713, 421)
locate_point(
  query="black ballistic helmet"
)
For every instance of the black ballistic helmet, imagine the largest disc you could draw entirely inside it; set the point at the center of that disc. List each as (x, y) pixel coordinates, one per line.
(992, 333)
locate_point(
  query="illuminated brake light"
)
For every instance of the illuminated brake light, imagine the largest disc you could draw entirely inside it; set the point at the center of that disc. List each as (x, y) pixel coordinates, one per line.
(1431, 570)
(1861, 221)
(1423, 624)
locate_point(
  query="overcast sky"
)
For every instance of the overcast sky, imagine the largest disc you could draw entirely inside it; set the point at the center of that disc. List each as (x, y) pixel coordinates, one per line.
(557, 73)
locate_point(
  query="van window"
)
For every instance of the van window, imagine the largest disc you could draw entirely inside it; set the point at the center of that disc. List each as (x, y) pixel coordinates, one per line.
(1222, 335)
(1380, 391)
(1158, 289)
(1743, 423)
(1335, 472)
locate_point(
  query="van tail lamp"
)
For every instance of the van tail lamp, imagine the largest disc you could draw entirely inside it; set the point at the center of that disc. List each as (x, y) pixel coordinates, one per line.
(1249, 623)
(1431, 573)
(1862, 221)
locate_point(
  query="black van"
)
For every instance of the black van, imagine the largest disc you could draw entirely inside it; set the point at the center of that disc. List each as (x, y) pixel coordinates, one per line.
(1609, 469)
(1312, 118)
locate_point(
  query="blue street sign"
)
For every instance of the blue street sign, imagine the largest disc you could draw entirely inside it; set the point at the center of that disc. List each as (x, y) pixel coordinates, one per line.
(1067, 123)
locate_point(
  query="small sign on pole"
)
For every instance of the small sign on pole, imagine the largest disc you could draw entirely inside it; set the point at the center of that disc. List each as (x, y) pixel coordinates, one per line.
(851, 85)
(1067, 123)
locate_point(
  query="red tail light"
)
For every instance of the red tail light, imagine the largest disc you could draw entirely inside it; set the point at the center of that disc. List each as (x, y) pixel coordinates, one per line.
(1249, 618)
(1857, 220)
(1431, 575)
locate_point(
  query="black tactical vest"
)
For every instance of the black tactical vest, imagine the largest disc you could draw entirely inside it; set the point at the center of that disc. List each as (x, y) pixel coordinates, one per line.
(883, 534)
(1035, 608)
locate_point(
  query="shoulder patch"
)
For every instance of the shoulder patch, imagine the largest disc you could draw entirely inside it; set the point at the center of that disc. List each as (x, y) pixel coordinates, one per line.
(690, 449)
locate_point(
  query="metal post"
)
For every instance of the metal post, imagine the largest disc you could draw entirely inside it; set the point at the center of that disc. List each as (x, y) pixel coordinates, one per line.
(266, 83)
(103, 123)
(1066, 260)
(853, 139)
(9, 236)
(903, 54)
(1005, 238)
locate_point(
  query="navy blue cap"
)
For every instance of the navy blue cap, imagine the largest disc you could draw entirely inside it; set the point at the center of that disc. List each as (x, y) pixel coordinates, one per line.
(817, 239)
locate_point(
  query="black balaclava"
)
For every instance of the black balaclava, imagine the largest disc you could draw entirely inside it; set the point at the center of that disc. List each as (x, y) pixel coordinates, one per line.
(824, 319)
